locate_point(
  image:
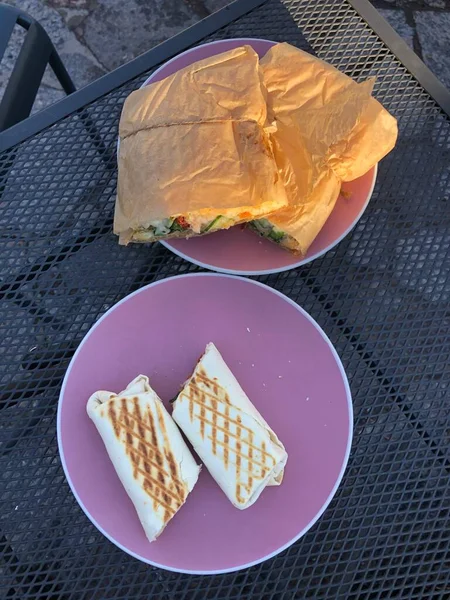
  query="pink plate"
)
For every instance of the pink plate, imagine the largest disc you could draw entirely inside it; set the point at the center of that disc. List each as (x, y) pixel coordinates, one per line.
(288, 368)
(242, 252)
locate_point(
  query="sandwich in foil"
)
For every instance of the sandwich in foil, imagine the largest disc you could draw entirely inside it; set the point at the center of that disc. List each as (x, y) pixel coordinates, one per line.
(147, 451)
(195, 152)
(238, 447)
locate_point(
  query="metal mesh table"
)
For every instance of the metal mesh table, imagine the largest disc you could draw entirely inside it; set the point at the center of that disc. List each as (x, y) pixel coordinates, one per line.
(382, 295)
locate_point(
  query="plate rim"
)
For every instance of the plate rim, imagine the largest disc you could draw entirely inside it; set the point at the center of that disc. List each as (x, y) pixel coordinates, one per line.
(301, 262)
(322, 509)
(189, 50)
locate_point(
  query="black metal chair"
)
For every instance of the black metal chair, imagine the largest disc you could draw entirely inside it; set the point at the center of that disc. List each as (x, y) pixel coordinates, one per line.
(36, 53)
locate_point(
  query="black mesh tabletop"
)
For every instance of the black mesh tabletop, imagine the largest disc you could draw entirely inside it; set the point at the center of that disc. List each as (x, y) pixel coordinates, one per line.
(382, 295)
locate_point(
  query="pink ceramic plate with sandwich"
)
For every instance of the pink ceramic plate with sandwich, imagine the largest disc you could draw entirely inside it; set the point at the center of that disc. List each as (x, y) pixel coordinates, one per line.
(289, 371)
(238, 250)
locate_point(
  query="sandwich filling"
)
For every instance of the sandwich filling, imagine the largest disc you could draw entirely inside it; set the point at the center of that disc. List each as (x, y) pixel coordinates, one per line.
(271, 232)
(164, 228)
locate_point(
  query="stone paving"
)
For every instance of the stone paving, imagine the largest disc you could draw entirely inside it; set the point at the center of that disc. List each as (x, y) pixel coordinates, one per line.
(425, 26)
(96, 36)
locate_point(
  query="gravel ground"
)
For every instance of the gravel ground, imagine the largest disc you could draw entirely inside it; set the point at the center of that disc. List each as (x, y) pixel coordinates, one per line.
(96, 36)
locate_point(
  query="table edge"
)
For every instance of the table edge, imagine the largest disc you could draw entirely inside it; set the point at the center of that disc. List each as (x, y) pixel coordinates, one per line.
(409, 59)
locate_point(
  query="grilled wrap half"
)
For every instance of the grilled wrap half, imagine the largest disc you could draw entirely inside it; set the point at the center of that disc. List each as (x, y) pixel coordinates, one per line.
(147, 450)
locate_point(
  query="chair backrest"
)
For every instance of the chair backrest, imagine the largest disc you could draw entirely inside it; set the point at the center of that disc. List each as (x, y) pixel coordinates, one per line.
(35, 54)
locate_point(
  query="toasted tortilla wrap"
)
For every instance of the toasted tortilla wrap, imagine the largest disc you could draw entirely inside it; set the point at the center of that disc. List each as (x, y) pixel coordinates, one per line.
(195, 152)
(238, 447)
(147, 451)
(328, 129)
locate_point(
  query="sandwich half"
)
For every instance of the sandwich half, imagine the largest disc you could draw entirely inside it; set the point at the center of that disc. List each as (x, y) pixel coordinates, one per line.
(147, 450)
(328, 129)
(240, 450)
(195, 152)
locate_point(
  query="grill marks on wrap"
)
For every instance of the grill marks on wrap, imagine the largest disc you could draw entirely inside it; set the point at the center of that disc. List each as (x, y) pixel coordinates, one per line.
(154, 465)
(210, 404)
